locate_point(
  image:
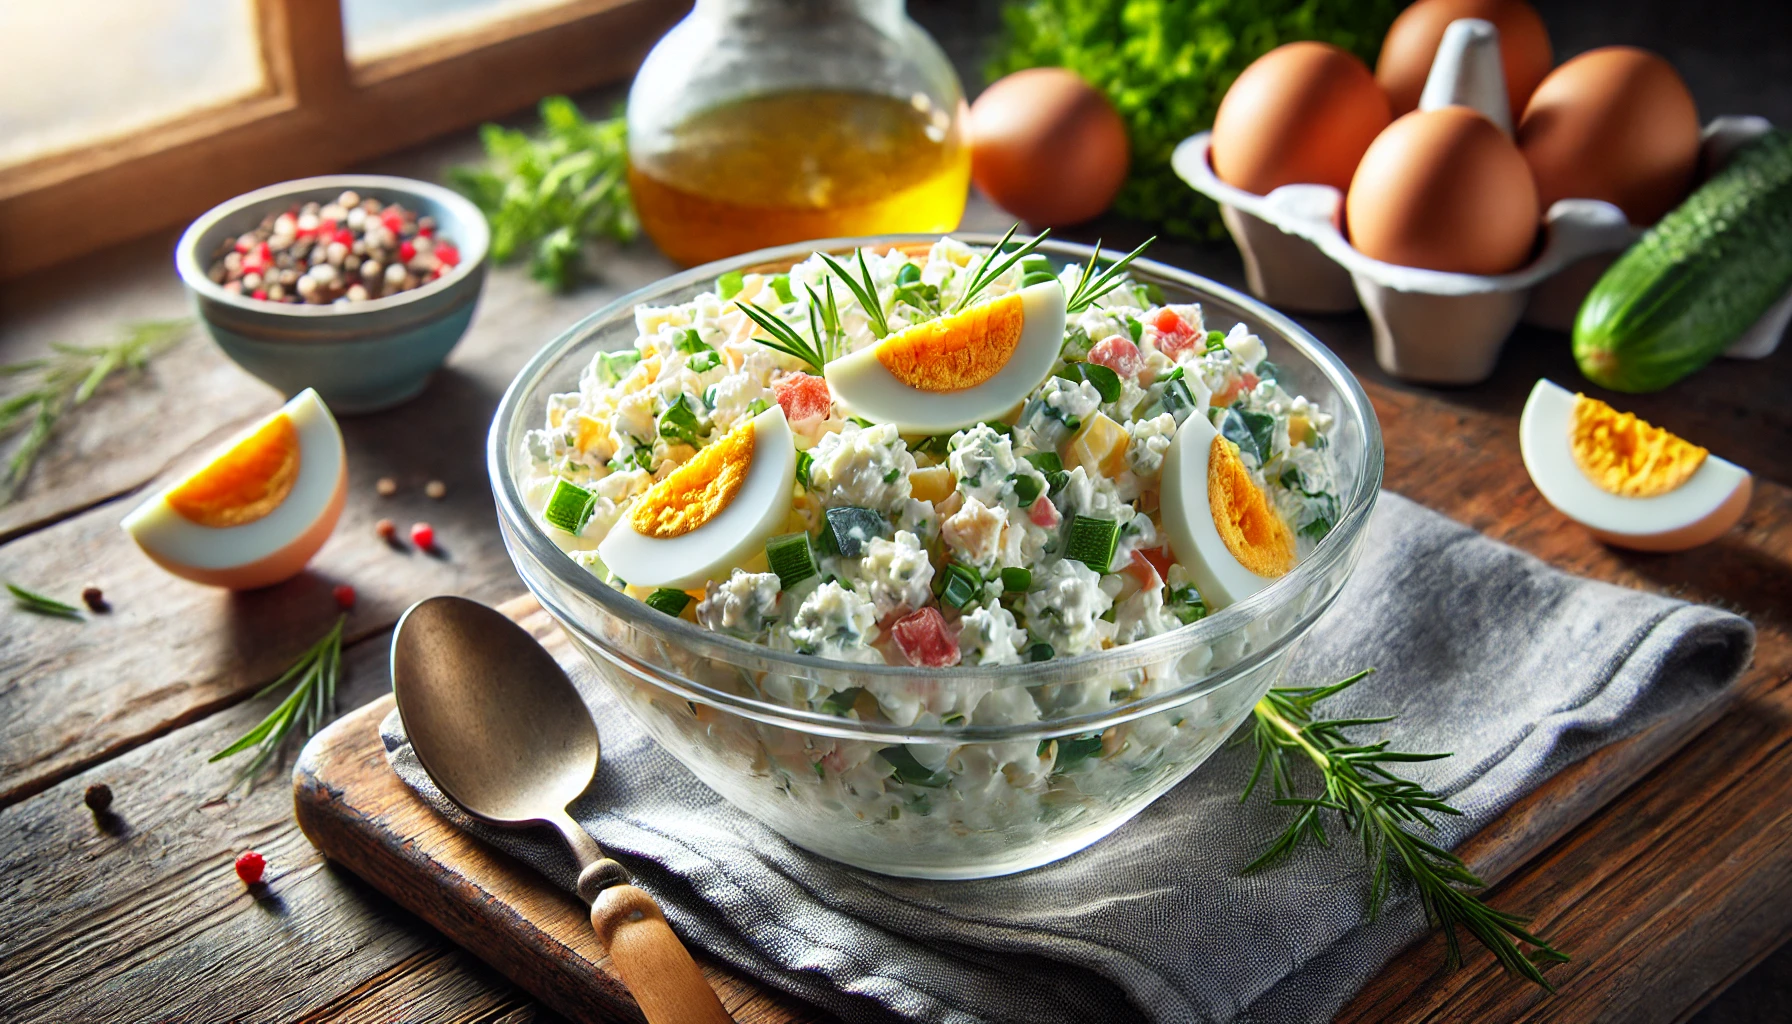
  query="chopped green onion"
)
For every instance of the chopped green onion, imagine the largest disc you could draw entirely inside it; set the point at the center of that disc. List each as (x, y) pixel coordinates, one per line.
(680, 423)
(1105, 381)
(1041, 652)
(758, 406)
(569, 507)
(1026, 489)
(1015, 579)
(963, 585)
(1178, 400)
(1266, 370)
(909, 274)
(803, 461)
(862, 422)
(730, 284)
(781, 286)
(911, 771)
(1186, 604)
(1136, 330)
(849, 528)
(1153, 294)
(1046, 462)
(611, 367)
(1215, 341)
(703, 362)
(691, 342)
(893, 475)
(1034, 277)
(1073, 750)
(791, 558)
(667, 600)
(1092, 542)
(841, 701)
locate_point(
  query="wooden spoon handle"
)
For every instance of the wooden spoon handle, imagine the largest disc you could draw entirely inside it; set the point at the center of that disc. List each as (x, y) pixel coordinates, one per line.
(653, 963)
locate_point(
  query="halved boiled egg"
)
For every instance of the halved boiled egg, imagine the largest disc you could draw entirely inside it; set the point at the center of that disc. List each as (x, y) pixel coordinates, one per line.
(710, 514)
(1634, 485)
(257, 511)
(1221, 525)
(956, 370)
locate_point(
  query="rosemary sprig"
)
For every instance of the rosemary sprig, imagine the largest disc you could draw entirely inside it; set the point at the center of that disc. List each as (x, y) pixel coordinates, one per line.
(990, 269)
(1091, 286)
(312, 700)
(37, 394)
(785, 339)
(32, 601)
(864, 289)
(824, 323)
(1386, 812)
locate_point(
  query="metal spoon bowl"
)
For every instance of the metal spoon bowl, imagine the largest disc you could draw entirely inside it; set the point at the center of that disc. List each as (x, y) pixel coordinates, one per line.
(504, 734)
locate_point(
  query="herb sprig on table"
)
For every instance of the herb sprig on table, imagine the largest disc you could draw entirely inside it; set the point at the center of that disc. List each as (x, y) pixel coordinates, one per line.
(42, 604)
(1387, 813)
(550, 193)
(312, 700)
(37, 395)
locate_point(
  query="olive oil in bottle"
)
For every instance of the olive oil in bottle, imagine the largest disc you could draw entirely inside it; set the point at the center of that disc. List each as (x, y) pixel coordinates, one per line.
(790, 166)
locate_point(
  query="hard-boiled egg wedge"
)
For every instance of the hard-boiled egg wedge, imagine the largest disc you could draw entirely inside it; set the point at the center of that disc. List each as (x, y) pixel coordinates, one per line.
(257, 511)
(1634, 485)
(1221, 525)
(710, 514)
(956, 370)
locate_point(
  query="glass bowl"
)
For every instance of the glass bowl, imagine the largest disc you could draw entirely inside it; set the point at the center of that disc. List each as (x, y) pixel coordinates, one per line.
(1096, 737)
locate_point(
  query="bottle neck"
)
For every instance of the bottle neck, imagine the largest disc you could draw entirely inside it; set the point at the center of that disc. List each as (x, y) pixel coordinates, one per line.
(885, 14)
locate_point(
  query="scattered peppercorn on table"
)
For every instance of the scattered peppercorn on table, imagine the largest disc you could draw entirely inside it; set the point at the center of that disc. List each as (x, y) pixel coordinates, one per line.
(1674, 887)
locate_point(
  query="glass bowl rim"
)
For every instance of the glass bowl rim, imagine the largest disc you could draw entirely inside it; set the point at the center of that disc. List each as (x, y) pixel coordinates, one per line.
(522, 529)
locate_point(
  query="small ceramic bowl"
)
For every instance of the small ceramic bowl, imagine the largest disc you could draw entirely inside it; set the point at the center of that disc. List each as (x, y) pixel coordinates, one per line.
(361, 357)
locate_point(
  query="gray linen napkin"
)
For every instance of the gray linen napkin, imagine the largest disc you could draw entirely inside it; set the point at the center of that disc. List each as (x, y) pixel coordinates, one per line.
(1482, 650)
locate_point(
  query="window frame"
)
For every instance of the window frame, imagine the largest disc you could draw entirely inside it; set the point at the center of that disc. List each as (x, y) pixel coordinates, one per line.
(315, 113)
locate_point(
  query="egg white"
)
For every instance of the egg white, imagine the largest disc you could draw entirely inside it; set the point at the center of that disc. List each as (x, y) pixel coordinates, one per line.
(176, 540)
(864, 387)
(1543, 439)
(1187, 516)
(734, 535)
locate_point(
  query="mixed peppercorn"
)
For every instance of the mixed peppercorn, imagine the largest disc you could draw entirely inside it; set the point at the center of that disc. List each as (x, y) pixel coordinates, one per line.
(353, 249)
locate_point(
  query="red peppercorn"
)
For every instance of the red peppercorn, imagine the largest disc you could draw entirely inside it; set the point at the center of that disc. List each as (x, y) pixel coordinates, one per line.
(259, 293)
(345, 596)
(250, 866)
(386, 528)
(393, 220)
(423, 535)
(425, 231)
(406, 251)
(448, 254)
(345, 236)
(327, 227)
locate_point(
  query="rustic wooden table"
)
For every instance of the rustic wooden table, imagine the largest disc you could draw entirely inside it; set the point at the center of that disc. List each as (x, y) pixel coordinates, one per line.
(1666, 895)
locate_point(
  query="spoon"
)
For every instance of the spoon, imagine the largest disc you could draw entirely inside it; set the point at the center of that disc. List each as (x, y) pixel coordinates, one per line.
(504, 734)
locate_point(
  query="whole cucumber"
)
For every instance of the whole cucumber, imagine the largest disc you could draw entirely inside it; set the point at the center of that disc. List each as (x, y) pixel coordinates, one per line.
(1695, 281)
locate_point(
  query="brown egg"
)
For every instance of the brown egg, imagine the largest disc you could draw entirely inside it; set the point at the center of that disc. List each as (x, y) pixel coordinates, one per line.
(1617, 124)
(1303, 112)
(1047, 147)
(1412, 40)
(1445, 190)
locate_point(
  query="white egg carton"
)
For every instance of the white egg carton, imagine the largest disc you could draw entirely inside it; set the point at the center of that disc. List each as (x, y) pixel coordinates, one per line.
(1431, 326)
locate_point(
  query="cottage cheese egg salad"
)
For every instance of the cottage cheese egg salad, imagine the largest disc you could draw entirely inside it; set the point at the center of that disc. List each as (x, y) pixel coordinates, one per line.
(961, 457)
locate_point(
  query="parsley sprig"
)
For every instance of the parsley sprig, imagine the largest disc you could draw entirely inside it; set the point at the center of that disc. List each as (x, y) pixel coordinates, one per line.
(311, 702)
(37, 395)
(1386, 812)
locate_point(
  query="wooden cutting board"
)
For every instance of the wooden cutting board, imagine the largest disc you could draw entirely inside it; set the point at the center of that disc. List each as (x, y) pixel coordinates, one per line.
(1459, 460)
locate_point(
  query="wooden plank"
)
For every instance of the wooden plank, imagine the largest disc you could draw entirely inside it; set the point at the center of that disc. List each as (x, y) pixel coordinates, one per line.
(349, 802)
(64, 205)
(144, 918)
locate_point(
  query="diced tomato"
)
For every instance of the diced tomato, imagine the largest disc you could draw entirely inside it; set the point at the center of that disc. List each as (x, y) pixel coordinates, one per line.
(925, 639)
(1149, 567)
(1120, 355)
(804, 396)
(1250, 381)
(1043, 513)
(448, 254)
(1174, 335)
(1226, 396)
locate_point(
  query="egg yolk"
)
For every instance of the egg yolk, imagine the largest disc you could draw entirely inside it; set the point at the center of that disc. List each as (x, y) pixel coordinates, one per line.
(952, 353)
(245, 483)
(1252, 530)
(1627, 456)
(697, 491)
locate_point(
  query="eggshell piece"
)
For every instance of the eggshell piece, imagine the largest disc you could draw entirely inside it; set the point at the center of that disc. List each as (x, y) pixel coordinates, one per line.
(1303, 112)
(271, 544)
(1700, 510)
(1047, 147)
(1444, 190)
(1617, 124)
(730, 537)
(1412, 41)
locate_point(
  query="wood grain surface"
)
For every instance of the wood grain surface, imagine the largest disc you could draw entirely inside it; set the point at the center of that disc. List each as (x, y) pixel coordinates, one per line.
(1675, 885)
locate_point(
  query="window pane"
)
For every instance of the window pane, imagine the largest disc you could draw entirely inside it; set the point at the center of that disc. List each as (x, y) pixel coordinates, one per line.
(374, 28)
(75, 71)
